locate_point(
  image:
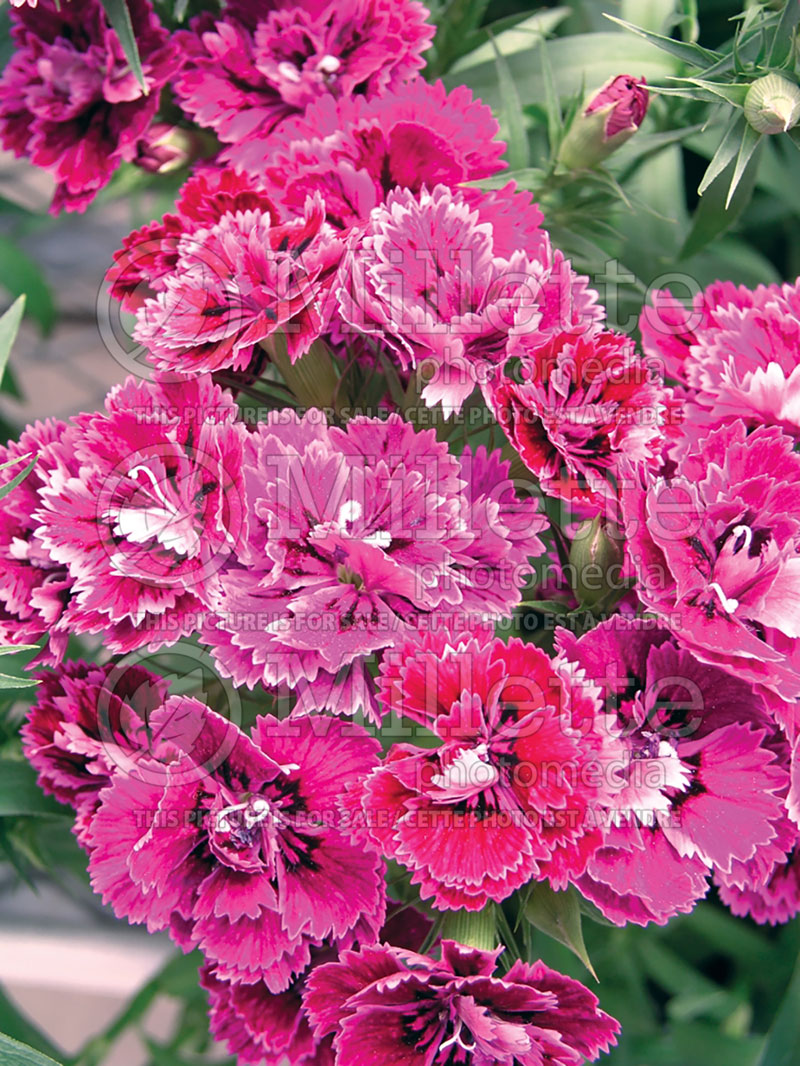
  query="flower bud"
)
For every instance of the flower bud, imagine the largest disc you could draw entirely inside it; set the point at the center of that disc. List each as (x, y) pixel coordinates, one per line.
(772, 104)
(596, 558)
(164, 148)
(611, 116)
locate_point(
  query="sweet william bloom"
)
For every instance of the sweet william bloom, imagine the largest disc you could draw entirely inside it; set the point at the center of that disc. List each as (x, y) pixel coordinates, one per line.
(357, 536)
(715, 548)
(237, 283)
(578, 405)
(271, 1028)
(699, 783)
(735, 352)
(248, 72)
(386, 1005)
(425, 276)
(355, 150)
(774, 899)
(88, 722)
(504, 795)
(241, 838)
(35, 588)
(611, 116)
(144, 508)
(68, 99)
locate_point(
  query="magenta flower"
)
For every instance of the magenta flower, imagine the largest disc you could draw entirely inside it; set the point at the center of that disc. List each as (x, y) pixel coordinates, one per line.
(579, 405)
(735, 351)
(623, 103)
(426, 277)
(88, 722)
(145, 509)
(503, 797)
(35, 589)
(698, 781)
(773, 899)
(715, 548)
(358, 535)
(149, 256)
(68, 99)
(236, 283)
(386, 1005)
(251, 70)
(355, 150)
(241, 839)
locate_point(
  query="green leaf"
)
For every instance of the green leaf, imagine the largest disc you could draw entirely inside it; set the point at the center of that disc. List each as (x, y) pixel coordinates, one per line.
(21, 797)
(781, 47)
(732, 92)
(558, 914)
(9, 328)
(725, 154)
(518, 148)
(750, 141)
(685, 51)
(587, 59)
(783, 1039)
(120, 18)
(11, 485)
(12, 1053)
(715, 213)
(521, 37)
(20, 275)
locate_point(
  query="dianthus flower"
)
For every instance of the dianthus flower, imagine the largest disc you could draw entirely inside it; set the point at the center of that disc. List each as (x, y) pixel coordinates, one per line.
(240, 838)
(69, 100)
(699, 784)
(252, 69)
(145, 508)
(387, 1005)
(356, 536)
(504, 796)
(715, 548)
(425, 276)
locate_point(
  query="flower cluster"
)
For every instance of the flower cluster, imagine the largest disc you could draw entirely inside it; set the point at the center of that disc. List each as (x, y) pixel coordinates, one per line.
(386, 421)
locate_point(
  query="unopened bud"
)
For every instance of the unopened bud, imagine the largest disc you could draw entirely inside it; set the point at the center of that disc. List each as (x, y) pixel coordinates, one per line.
(596, 558)
(164, 148)
(612, 115)
(772, 104)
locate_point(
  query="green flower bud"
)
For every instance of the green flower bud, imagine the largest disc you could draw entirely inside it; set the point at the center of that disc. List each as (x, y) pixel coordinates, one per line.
(772, 104)
(609, 117)
(596, 558)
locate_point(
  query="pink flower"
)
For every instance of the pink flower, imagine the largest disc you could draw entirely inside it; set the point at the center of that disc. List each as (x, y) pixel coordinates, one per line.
(355, 150)
(715, 548)
(35, 589)
(149, 256)
(774, 899)
(88, 722)
(251, 70)
(698, 784)
(241, 839)
(271, 1028)
(357, 534)
(386, 1005)
(236, 283)
(735, 351)
(576, 407)
(426, 277)
(623, 103)
(503, 797)
(68, 99)
(144, 508)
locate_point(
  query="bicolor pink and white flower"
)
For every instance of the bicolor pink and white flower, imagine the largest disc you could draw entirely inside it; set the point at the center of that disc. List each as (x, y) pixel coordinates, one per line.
(69, 100)
(254, 68)
(144, 508)
(715, 548)
(240, 840)
(386, 1005)
(357, 535)
(503, 796)
(425, 276)
(700, 785)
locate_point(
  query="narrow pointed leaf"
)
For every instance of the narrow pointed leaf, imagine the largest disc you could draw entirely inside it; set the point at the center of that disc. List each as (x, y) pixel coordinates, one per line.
(518, 149)
(725, 154)
(120, 19)
(559, 915)
(712, 218)
(12, 1053)
(9, 328)
(693, 54)
(781, 46)
(11, 485)
(750, 141)
(783, 1039)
